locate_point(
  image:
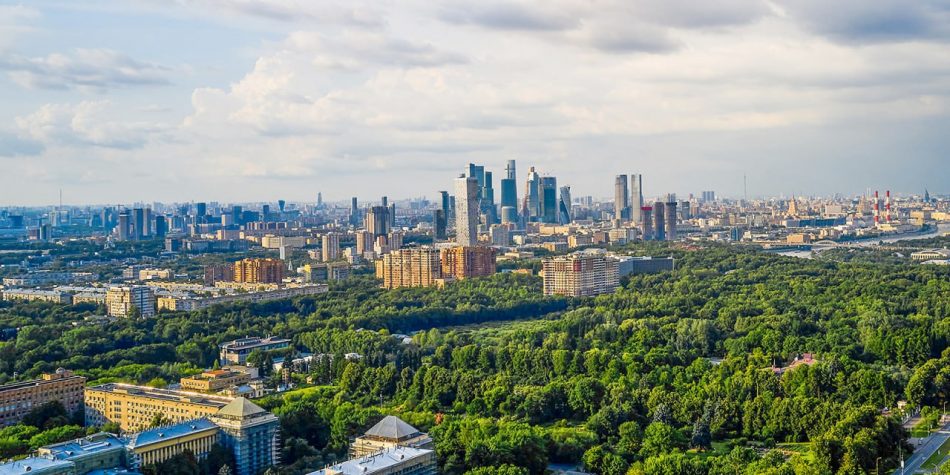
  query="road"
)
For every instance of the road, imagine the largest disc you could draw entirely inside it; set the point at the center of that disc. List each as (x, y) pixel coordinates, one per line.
(913, 463)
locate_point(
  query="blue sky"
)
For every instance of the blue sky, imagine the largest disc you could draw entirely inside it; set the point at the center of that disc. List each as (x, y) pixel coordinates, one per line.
(146, 100)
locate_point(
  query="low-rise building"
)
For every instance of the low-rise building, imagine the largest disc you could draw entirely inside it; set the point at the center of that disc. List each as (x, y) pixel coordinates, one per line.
(213, 381)
(395, 461)
(154, 446)
(236, 351)
(100, 451)
(17, 399)
(33, 295)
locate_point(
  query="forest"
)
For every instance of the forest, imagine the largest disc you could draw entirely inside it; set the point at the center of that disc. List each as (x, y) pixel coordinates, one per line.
(684, 372)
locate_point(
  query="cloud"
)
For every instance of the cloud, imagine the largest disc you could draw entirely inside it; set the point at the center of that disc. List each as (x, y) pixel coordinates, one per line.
(15, 20)
(510, 16)
(96, 69)
(859, 21)
(13, 145)
(84, 124)
(351, 13)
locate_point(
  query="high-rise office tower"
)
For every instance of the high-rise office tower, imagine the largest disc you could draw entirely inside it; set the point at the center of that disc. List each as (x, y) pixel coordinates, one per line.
(549, 202)
(330, 247)
(659, 217)
(385, 201)
(138, 223)
(439, 224)
(671, 220)
(636, 197)
(237, 215)
(445, 204)
(377, 221)
(354, 212)
(478, 172)
(509, 215)
(161, 226)
(124, 225)
(487, 204)
(532, 198)
(201, 210)
(646, 223)
(319, 199)
(281, 204)
(565, 216)
(621, 198)
(392, 215)
(466, 210)
(509, 187)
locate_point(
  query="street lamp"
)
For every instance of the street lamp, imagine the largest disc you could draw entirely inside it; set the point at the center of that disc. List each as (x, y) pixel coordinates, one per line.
(877, 468)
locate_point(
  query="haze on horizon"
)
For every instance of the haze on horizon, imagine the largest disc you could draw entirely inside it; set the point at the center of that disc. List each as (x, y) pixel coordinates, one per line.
(150, 100)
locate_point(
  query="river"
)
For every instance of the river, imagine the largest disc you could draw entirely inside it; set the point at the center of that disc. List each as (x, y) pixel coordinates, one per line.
(939, 230)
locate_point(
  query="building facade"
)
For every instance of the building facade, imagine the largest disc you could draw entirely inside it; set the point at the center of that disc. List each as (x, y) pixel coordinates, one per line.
(235, 352)
(580, 275)
(259, 271)
(252, 435)
(129, 301)
(467, 262)
(412, 267)
(18, 399)
(134, 408)
(466, 210)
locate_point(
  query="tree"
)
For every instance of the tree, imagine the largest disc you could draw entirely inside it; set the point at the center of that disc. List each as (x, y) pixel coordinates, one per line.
(701, 438)
(159, 420)
(659, 438)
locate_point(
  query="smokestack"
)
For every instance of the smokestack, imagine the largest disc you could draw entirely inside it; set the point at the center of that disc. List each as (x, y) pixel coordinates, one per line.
(877, 207)
(887, 205)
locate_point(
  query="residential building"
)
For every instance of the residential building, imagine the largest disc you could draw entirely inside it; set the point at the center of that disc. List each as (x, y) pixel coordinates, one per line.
(411, 267)
(135, 407)
(33, 295)
(219, 273)
(253, 271)
(18, 398)
(330, 247)
(466, 262)
(466, 210)
(580, 274)
(235, 352)
(130, 301)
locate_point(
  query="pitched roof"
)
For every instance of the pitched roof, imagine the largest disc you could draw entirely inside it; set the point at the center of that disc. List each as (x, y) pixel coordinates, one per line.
(392, 427)
(240, 408)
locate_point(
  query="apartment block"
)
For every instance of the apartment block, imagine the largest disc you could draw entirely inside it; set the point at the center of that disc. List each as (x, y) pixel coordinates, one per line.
(413, 267)
(467, 262)
(17, 399)
(580, 274)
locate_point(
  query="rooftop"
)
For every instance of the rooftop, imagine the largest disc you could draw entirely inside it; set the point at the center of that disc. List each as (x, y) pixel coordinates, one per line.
(373, 463)
(240, 408)
(161, 434)
(34, 465)
(78, 448)
(166, 394)
(251, 342)
(393, 428)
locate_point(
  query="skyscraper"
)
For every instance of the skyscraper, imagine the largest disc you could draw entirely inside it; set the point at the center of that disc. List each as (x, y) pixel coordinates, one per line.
(621, 198)
(532, 199)
(445, 203)
(138, 224)
(646, 223)
(659, 218)
(509, 187)
(354, 212)
(636, 197)
(671, 220)
(466, 210)
(549, 202)
(564, 215)
(124, 225)
(377, 221)
(487, 205)
(439, 224)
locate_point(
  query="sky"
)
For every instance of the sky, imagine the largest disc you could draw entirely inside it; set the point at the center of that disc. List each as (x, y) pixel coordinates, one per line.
(259, 100)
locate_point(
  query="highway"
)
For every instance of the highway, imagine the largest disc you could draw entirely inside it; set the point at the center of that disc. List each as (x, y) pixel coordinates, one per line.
(914, 462)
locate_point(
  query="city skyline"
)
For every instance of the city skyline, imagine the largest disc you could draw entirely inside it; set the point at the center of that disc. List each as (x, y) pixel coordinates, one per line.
(232, 101)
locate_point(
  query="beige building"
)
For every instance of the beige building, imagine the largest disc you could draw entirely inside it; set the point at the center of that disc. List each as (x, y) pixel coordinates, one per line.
(467, 262)
(126, 301)
(32, 295)
(580, 274)
(213, 381)
(134, 407)
(412, 267)
(17, 399)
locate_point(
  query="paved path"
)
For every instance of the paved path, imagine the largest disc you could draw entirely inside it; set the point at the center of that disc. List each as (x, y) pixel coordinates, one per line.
(923, 452)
